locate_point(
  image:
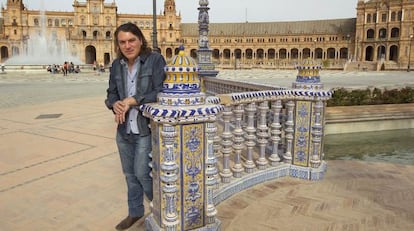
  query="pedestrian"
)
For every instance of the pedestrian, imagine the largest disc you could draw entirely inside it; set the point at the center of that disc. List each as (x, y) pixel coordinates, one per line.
(65, 68)
(136, 77)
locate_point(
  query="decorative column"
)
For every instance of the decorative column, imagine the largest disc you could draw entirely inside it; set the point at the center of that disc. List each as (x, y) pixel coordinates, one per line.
(204, 53)
(238, 141)
(250, 137)
(262, 134)
(184, 166)
(226, 144)
(287, 156)
(308, 122)
(276, 132)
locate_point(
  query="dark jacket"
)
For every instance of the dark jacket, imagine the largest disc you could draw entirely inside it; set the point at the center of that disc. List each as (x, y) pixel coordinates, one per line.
(150, 80)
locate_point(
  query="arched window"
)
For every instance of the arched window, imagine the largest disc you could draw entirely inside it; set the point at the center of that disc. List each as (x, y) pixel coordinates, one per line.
(108, 35)
(395, 32)
(237, 53)
(249, 53)
(294, 53)
(95, 34)
(331, 53)
(306, 53)
(226, 54)
(370, 34)
(382, 33)
(260, 53)
(282, 53)
(36, 22)
(84, 34)
(393, 16)
(368, 18)
(271, 54)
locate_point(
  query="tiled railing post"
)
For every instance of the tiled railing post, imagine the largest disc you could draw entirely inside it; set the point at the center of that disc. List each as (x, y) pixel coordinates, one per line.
(226, 143)
(238, 141)
(184, 168)
(168, 169)
(317, 135)
(211, 172)
(287, 156)
(275, 132)
(308, 122)
(250, 137)
(262, 135)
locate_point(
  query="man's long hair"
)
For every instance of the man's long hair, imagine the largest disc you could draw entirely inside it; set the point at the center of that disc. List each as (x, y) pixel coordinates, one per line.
(132, 28)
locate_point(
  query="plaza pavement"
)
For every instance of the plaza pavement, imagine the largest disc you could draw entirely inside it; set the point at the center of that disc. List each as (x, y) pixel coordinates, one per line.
(59, 167)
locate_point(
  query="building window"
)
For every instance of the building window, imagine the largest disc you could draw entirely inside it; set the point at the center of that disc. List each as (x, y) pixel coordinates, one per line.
(36, 22)
(383, 17)
(95, 34)
(382, 33)
(108, 35)
(49, 22)
(84, 34)
(399, 15)
(56, 22)
(370, 34)
(395, 32)
(368, 18)
(393, 16)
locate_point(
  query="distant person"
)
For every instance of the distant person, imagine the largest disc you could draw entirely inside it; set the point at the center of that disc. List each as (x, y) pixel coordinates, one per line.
(77, 69)
(136, 77)
(65, 68)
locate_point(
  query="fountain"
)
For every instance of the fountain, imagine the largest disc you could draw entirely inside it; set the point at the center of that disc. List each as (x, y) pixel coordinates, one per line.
(42, 48)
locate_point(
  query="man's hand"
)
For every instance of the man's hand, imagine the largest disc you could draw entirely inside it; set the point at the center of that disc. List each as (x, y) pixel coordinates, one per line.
(122, 107)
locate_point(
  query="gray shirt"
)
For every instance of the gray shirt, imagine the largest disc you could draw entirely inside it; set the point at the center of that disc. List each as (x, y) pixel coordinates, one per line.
(131, 86)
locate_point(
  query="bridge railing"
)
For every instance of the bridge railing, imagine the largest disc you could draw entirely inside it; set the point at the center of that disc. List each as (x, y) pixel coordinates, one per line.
(264, 135)
(205, 152)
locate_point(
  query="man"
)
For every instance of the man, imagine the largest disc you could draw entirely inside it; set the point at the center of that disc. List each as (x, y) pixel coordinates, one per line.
(135, 78)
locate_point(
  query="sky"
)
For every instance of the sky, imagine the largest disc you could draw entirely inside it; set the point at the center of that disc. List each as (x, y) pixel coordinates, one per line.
(226, 10)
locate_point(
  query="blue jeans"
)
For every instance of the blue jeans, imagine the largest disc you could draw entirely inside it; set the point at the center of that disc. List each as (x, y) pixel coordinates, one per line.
(134, 153)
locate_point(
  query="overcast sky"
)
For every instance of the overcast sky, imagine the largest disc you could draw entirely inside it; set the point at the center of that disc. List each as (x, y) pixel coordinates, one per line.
(227, 10)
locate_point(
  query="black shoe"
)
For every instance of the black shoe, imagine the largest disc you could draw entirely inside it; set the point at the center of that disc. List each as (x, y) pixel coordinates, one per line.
(127, 222)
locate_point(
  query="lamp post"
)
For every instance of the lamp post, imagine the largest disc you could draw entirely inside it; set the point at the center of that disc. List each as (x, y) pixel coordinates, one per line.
(154, 27)
(409, 53)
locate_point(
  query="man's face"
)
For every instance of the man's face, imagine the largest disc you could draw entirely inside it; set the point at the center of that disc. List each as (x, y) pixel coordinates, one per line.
(129, 44)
